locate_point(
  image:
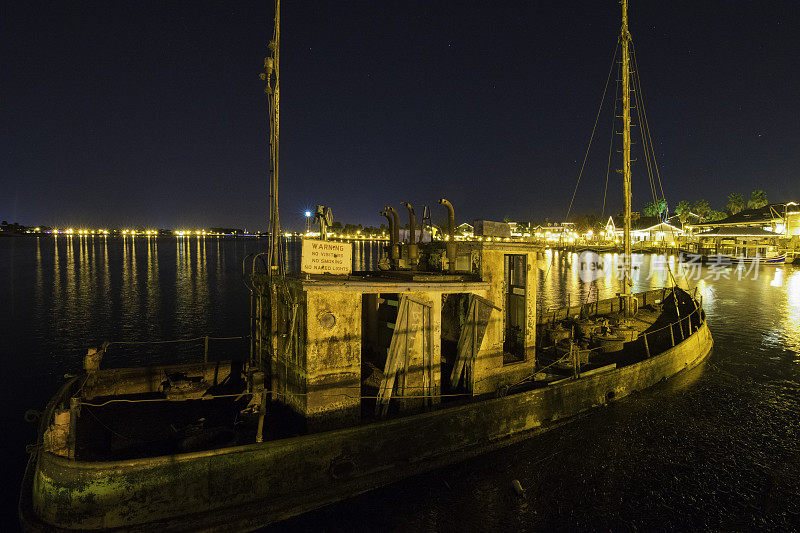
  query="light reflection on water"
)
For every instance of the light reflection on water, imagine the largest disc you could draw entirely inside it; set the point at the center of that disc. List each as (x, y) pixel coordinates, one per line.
(719, 443)
(791, 318)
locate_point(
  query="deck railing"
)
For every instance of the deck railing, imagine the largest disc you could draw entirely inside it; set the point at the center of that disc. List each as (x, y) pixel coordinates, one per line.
(654, 341)
(598, 307)
(673, 333)
(212, 349)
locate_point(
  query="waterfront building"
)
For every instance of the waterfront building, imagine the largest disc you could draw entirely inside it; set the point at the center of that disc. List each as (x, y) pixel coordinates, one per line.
(465, 230)
(781, 219)
(691, 218)
(648, 230)
(555, 232)
(746, 241)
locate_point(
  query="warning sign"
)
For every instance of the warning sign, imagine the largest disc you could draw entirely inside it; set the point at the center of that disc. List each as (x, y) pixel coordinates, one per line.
(326, 257)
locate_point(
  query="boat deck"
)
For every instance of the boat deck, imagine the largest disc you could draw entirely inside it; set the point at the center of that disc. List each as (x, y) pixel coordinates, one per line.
(146, 425)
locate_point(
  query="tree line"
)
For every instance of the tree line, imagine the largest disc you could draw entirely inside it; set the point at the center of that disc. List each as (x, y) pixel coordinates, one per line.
(702, 208)
(736, 204)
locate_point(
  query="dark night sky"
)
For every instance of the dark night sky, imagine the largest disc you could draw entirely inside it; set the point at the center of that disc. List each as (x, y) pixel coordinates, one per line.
(152, 113)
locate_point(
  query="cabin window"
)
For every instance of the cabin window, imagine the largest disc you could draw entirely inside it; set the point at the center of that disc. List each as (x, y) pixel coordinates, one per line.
(514, 312)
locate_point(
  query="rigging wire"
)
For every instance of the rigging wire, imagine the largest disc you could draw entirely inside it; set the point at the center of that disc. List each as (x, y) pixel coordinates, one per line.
(647, 141)
(586, 155)
(645, 146)
(611, 143)
(591, 137)
(646, 123)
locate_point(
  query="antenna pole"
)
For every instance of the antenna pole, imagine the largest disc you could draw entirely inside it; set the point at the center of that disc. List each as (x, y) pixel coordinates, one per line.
(625, 38)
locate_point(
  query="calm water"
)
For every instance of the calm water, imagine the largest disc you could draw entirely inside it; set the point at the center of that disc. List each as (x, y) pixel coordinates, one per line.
(718, 447)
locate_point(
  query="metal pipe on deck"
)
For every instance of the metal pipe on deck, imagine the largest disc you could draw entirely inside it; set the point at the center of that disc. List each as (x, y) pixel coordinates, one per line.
(396, 226)
(450, 245)
(412, 247)
(394, 232)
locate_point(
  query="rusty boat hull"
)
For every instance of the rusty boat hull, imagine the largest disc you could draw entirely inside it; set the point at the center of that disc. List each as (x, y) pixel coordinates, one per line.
(248, 486)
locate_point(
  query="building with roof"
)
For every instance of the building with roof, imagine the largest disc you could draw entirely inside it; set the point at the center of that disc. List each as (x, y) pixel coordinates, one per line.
(778, 219)
(556, 232)
(465, 230)
(646, 229)
(691, 219)
(744, 241)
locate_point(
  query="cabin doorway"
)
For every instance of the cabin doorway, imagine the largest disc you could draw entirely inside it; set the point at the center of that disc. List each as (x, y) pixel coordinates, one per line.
(455, 310)
(397, 371)
(514, 314)
(465, 317)
(378, 318)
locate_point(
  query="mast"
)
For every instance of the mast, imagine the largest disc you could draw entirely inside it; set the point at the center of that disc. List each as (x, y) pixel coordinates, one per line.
(272, 78)
(275, 263)
(625, 38)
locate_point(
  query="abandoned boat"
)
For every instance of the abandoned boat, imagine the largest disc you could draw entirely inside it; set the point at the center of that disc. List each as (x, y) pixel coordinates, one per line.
(374, 377)
(352, 380)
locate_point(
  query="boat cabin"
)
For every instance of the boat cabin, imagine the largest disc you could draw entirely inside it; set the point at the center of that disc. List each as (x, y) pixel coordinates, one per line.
(366, 345)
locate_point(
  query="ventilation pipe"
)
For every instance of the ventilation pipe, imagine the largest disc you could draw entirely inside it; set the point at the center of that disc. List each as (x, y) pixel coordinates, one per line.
(450, 243)
(413, 248)
(394, 235)
(396, 227)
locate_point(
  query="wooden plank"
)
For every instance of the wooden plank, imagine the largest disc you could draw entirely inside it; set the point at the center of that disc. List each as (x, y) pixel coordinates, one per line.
(411, 318)
(464, 341)
(390, 370)
(469, 342)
